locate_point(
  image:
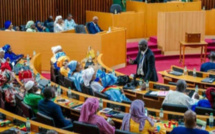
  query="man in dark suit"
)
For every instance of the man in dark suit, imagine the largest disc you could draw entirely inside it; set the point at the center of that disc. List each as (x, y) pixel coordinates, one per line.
(93, 26)
(145, 63)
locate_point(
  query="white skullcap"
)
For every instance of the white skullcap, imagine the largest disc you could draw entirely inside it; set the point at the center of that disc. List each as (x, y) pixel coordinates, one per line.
(29, 85)
(56, 48)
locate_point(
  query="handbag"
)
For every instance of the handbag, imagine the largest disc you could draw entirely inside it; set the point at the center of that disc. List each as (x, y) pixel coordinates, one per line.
(122, 80)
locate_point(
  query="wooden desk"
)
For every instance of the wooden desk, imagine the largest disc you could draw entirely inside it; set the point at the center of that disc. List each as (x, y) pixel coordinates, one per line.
(201, 44)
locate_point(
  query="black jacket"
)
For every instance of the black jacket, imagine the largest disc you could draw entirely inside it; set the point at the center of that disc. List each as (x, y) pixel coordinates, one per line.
(149, 69)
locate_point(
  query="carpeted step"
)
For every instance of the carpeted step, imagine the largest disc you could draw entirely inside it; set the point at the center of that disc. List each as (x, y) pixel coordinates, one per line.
(153, 39)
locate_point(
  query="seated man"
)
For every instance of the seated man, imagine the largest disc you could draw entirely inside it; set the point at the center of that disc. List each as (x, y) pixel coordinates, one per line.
(49, 108)
(179, 97)
(31, 98)
(93, 26)
(69, 23)
(209, 65)
(190, 125)
(49, 23)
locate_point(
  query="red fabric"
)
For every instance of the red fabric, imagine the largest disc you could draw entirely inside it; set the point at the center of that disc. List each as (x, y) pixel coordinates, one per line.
(25, 74)
(10, 96)
(208, 95)
(5, 66)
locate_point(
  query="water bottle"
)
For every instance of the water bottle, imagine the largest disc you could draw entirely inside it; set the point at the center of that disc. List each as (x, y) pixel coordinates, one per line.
(115, 11)
(146, 1)
(140, 82)
(185, 70)
(49, 85)
(58, 91)
(211, 120)
(37, 77)
(194, 72)
(100, 104)
(197, 89)
(113, 72)
(161, 114)
(13, 64)
(34, 53)
(147, 85)
(28, 125)
(28, 60)
(69, 92)
(146, 112)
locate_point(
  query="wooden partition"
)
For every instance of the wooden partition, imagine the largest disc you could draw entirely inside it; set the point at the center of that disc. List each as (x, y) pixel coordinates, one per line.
(210, 22)
(172, 27)
(20, 11)
(132, 21)
(151, 12)
(75, 45)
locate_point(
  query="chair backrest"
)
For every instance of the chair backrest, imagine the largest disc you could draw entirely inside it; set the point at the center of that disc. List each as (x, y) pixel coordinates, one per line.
(80, 29)
(204, 111)
(174, 107)
(86, 90)
(117, 131)
(27, 111)
(18, 99)
(54, 73)
(68, 83)
(2, 103)
(100, 95)
(87, 25)
(116, 7)
(61, 79)
(83, 128)
(45, 119)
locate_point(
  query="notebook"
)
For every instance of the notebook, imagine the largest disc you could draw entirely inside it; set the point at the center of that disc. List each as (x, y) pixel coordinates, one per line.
(175, 73)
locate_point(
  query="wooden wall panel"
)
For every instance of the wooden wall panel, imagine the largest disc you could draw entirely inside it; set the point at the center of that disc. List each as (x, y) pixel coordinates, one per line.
(176, 24)
(210, 22)
(208, 4)
(20, 11)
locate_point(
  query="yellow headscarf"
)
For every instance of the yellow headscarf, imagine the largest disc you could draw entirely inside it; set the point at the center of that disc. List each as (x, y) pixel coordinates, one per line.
(90, 53)
(61, 60)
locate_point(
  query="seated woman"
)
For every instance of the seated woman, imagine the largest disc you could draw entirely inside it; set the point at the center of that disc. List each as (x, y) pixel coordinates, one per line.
(179, 97)
(12, 56)
(209, 102)
(57, 53)
(58, 24)
(31, 98)
(88, 115)
(64, 70)
(6, 79)
(40, 27)
(30, 26)
(136, 121)
(8, 26)
(114, 93)
(62, 60)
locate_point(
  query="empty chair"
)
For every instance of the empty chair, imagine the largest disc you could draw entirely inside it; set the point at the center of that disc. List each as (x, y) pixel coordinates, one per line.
(86, 90)
(84, 128)
(174, 107)
(54, 74)
(80, 29)
(100, 95)
(115, 8)
(27, 111)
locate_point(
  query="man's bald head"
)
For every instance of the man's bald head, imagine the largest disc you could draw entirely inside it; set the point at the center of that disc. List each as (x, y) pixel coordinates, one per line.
(190, 119)
(95, 19)
(181, 85)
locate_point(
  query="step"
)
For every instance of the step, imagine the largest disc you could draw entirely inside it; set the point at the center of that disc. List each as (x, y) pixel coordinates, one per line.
(155, 51)
(153, 39)
(132, 47)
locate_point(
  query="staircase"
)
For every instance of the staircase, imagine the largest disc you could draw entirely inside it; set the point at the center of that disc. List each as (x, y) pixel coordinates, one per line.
(132, 49)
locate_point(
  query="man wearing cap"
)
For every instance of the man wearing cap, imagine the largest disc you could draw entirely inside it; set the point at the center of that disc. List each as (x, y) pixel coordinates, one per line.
(31, 98)
(145, 63)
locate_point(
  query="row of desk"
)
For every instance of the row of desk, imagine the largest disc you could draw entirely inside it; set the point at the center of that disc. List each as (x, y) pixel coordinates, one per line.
(80, 98)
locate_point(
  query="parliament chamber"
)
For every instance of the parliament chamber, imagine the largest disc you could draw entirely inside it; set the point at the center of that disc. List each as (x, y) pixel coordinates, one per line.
(107, 66)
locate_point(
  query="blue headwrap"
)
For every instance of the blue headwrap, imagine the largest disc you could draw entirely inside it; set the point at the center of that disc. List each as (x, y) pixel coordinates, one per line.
(72, 65)
(59, 54)
(6, 48)
(7, 24)
(38, 28)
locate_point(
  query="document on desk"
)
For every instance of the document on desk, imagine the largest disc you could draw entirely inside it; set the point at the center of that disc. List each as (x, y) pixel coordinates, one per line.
(162, 93)
(154, 93)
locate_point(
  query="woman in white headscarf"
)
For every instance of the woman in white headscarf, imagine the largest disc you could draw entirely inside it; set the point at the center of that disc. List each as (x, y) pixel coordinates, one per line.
(58, 24)
(30, 26)
(113, 93)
